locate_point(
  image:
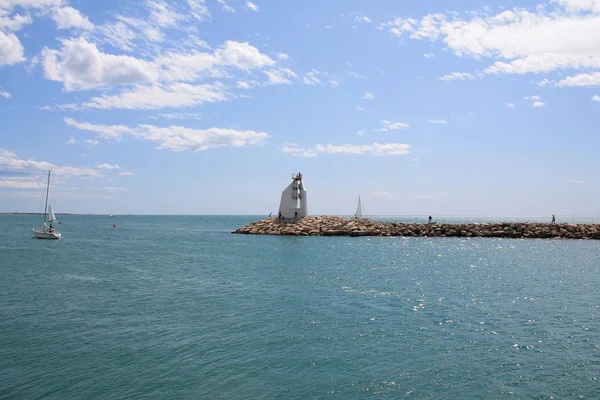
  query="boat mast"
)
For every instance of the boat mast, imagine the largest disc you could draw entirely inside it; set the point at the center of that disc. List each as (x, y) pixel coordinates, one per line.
(47, 190)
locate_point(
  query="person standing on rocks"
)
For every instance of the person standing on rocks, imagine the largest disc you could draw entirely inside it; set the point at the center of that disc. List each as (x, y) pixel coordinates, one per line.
(553, 219)
(295, 214)
(430, 219)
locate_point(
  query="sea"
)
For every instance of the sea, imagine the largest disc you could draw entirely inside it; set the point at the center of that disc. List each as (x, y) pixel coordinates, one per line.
(177, 307)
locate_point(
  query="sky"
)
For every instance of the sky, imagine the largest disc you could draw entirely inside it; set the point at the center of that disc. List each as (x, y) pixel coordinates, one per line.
(209, 106)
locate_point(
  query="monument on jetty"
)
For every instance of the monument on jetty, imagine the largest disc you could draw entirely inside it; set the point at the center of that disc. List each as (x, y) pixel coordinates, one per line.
(293, 221)
(293, 199)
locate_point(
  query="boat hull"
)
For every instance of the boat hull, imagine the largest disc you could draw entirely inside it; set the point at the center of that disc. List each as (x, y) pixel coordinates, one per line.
(46, 235)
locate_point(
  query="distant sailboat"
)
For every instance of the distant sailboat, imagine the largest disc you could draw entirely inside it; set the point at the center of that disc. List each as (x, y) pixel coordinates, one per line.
(47, 232)
(359, 211)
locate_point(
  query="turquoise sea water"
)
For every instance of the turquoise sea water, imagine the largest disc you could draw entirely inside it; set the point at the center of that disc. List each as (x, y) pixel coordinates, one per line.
(177, 307)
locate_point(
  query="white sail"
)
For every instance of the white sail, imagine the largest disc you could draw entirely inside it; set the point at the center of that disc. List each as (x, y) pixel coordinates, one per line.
(359, 213)
(51, 216)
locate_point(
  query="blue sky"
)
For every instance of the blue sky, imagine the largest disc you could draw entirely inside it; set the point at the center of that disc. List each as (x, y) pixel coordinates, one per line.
(209, 106)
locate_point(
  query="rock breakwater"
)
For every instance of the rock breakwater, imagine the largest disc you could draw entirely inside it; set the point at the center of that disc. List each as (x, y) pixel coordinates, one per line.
(338, 226)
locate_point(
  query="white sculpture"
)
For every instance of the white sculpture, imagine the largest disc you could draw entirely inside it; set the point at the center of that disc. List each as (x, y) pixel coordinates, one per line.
(293, 199)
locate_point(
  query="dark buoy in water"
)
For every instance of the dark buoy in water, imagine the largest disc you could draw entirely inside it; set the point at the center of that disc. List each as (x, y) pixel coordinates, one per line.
(114, 225)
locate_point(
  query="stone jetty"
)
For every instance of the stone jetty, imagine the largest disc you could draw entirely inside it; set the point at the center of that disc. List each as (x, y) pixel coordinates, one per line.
(338, 226)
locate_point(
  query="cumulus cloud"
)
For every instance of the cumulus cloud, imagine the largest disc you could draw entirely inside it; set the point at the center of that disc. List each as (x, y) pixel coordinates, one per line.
(457, 76)
(376, 149)
(592, 79)
(5, 94)
(154, 97)
(80, 65)
(596, 98)
(178, 138)
(10, 161)
(11, 49)
(310, 78)
(368, 96)
(71, 140)
(225, 6)
(391, 126)
(517, 41)
(510, 105)
(68, 17)
(251, 6)
(280, 76)
(107, 166)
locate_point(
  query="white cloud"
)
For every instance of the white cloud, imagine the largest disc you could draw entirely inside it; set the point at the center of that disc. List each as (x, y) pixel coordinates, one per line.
(376, 149)
(382, 193)
(516, 40)
(175, 95)
(11, 49)
(107, 166)
(199, 9)
(544, 82)
(510, 105)
(356, 75)
(280, 76)
(534, 98)
(9, 161)
(225, 6)
(251, 6)
(68, 17)
(283, 56)
(92, 142)
(179, 116)
(359, 108)
(80, 65)
(363, 18)
(120, 35)
(10, 184)
(242, 55)
(537, 104)
(391, 126)
(310, 78)
(163, 15)
(580, 5)
(596, 98)
(361, 132)
(13, 22)
(334, 83)
(242, 85)
(5, 94)
(457, 76)
(71, 140)
(178, 138)
(576, 182)
(438, 121)
(9, 4)
(429, 56)
(125, 173)
(104, 131)
(592, 79)
(368, 96)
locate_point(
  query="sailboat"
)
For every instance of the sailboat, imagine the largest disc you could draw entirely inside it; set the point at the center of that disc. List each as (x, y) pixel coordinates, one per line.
(359, 211)
(47, 232)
